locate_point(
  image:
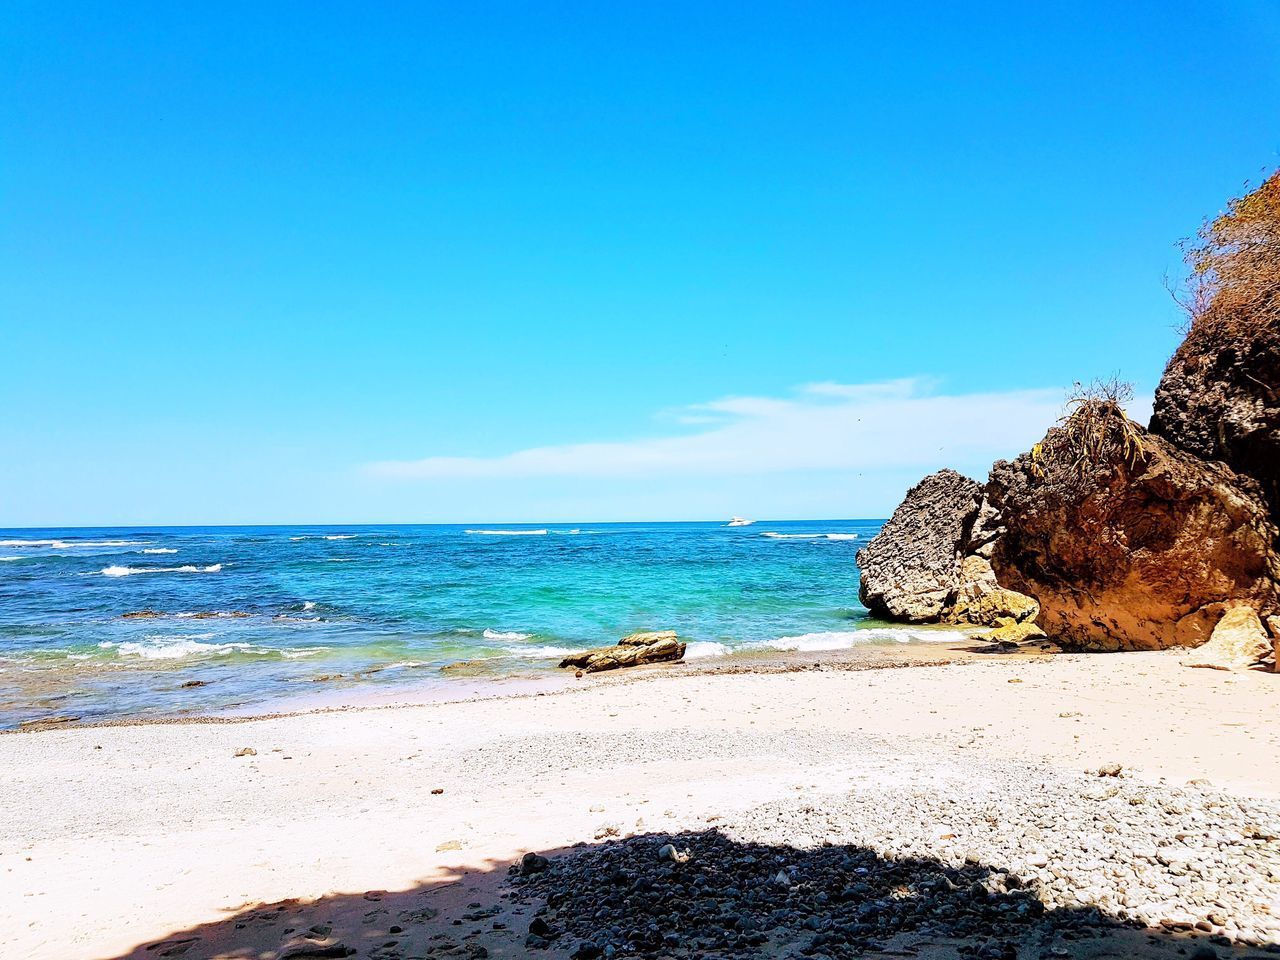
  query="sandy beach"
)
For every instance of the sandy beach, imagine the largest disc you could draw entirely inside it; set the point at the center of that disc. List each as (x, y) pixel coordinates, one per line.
(369, 832)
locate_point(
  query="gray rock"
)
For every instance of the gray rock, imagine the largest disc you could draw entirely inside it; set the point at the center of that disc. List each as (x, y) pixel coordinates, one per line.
(911, 569)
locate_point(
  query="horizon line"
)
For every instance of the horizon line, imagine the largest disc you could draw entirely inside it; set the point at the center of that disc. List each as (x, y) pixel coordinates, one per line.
(426, 523)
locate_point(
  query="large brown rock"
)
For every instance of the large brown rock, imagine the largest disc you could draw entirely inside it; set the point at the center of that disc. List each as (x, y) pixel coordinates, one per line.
(911, 569)
(630, 651)
(1238, 642)
(1133, 545)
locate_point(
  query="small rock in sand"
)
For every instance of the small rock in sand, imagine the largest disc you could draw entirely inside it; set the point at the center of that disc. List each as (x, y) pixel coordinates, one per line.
(668, 851)
(533, 863)
(310, 950)
(437, 791)
(246, 752)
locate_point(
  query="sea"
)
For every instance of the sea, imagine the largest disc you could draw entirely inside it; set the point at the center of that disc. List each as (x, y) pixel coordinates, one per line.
(169, 621)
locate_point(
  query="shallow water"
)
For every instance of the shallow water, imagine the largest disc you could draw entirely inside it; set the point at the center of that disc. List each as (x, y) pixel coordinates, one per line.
(117, 622)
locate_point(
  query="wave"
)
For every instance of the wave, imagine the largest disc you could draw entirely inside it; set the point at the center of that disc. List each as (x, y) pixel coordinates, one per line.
(810, 536)
(568, 533)
(183, 646)
(342, 536)
(7, 559)
(67, 544)
(507, 635)
(116, 571)
(309, 605)
(510, 533)
(159, 550)
(540, 653)
(843, 639)
(342, 559)
(696, 649)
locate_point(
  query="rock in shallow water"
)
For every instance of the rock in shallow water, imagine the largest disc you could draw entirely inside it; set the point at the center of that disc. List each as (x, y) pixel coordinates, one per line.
(630, 651)
(912, 568)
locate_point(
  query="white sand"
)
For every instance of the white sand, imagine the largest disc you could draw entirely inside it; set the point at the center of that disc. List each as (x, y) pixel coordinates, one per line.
(111, 838)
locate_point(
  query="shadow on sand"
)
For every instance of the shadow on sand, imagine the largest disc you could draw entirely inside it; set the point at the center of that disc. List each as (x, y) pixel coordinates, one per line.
(691, 895)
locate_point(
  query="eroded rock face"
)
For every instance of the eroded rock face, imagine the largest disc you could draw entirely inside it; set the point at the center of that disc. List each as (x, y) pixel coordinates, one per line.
(1238, 642)
(1136, 555)
(631, 651)
(1222, 402)
(911, 569)
(981, 601)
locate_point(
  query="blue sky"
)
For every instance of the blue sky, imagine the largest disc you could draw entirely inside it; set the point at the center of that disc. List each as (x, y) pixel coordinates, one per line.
(478, 262)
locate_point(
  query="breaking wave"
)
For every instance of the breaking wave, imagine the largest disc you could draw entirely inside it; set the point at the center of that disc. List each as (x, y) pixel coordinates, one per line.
(67, 544)
(843, 639)
(508, 635)
(810, 536)
(116, 571)
(697, 649)
(510, 533)
(540, 653)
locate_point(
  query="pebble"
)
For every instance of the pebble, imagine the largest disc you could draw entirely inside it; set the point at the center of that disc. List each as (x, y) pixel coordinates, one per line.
(842, 872)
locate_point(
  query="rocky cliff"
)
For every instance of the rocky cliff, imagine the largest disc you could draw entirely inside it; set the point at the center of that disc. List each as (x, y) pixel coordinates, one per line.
(1112, 536)
(1131, 552)
(1220, 395)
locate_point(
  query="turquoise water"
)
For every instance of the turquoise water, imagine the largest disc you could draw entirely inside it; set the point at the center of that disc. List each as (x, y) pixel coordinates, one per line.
(114, 622)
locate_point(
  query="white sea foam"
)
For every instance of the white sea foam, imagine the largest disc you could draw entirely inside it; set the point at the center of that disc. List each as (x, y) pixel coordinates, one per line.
(568, 533)
(697, 649)
(540, 652)
(843, 639)
(342, 536)
(342, 559)
(508, 635)
(510, 533)
(67, 544)
(117, 571)
(159, 550)
(912, 635)
(309, 605)
(6, 559)
(180, 646)
(810, 536)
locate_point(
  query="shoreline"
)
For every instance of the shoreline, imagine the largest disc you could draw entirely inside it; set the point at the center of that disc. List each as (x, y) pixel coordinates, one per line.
(454, 690)
(117, 838)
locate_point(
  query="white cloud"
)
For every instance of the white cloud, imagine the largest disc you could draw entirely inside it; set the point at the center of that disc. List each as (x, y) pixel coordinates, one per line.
(823, 426)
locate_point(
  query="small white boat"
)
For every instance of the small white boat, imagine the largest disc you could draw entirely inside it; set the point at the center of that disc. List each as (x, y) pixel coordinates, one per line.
(739, 522)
